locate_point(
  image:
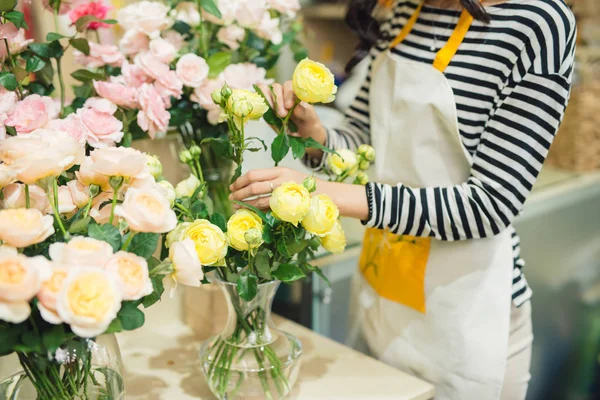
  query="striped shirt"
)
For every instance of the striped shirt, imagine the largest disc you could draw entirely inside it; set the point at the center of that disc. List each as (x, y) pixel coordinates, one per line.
(511, 81)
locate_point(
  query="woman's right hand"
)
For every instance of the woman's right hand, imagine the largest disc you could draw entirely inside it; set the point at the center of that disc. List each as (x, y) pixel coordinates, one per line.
(305, 117)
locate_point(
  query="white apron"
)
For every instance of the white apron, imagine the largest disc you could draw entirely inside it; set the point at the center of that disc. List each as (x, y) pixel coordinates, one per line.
(458, 340)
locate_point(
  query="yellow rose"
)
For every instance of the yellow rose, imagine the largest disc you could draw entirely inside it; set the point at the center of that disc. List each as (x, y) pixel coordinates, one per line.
(89, 301)
(242, 97)
(321, 216)
(210, 241)
(237, 226)
(344, 161)
(21, 227)
(335, 240)
(290, 202)
(313, 82)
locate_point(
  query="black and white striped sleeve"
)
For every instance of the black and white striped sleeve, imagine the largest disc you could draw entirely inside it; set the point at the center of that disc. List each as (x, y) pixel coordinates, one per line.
(505, 166)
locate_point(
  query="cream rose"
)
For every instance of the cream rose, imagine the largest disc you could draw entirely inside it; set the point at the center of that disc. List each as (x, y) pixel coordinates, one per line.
(167, 190)
(81, 251)
(342, 162)
(88, 176)
(48, 294)
(192, 70)
(335, 240)
(290, 202)
(20, 280)
(231, 36)
(65, 201)
(100, 210)
(7, 175)
(187, 268)
(322, 215)
(89, 301)
(147, 210)
(15, 148)
(177, 234)
(239, 224)
(313, 82)
(131, 273)
(149, 17)
(188, 13)
(21, 227)
(209, 240)
(119, 161)
(14, 197)
(187, 187)
(80, 194)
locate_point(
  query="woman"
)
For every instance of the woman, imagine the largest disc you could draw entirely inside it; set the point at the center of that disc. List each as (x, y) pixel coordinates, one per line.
(461, 103)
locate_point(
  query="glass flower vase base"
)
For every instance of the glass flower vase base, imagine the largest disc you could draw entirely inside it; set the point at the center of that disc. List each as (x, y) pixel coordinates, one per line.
(250, 359)
(81, 369)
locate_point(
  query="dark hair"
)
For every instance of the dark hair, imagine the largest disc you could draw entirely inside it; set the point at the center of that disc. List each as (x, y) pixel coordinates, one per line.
(359, 19)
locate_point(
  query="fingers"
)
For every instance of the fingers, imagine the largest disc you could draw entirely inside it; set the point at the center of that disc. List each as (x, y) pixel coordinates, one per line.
(267, 92)
(288, 95)
(257, 175)
(279, 100)
(261, 203)
(253, 190)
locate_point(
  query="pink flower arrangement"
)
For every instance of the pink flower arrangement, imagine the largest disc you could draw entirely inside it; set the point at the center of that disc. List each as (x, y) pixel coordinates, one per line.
(94, 8)
(32, 113)
(117, 92)
(97, 115)
(153, 116)
(100, 55)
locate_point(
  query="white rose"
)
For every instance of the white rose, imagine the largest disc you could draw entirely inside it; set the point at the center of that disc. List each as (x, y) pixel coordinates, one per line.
(149, 17)
(147, 210)
(187, 12)
(81, 251)
(168, 191)
(187, 269)
(231, 36)
(187, 187)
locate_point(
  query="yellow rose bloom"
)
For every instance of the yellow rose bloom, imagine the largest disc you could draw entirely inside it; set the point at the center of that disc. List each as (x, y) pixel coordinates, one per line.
(245, 97)
(313, 82)
(237, 226)
(343, 161)
(290, 202)
(210, 241)
(335, 240)
(322, 215)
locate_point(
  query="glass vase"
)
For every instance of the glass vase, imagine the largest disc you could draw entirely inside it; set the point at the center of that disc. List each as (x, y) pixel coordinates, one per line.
(250, 358)
(217, 183)
(80, 369)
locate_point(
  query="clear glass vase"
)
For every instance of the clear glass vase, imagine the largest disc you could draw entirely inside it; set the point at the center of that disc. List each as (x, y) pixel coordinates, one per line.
(80, 369)
(250, 359)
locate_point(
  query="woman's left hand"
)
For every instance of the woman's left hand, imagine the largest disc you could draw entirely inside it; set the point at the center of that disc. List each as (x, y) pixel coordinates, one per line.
(261, 182)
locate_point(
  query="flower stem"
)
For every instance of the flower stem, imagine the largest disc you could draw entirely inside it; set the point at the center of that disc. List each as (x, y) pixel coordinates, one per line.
(288, 116)
(128, 241)
(27, 198)
(116, 189)
(13, 67)
(53, 197)
(87, 207)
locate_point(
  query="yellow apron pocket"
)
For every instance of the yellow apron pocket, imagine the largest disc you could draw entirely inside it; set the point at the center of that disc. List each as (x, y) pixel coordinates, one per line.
(395, 266)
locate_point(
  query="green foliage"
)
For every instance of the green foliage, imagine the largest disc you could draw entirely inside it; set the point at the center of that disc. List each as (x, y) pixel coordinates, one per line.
(130, 316)
(280, 147)
(144, 244)
(85, 75)
(107, 233)
(16, 18)
(81, 44)
(218, 62)
(8, 80)
(247, 285)
(154, 297)
(288, 273)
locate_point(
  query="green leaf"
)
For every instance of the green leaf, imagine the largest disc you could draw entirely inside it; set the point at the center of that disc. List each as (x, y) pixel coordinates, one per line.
(46, 74)
(210, 7)
(313, 144)
(282, 248)
(262, 142)
(298, 146)
(115, 326)
(144, 244)
(219, 221)
(41, 49)
(159, 289)
(82, 23)
(85, 90)
(296, 246)
(268, 235)
(247, 286)
(237, 173)
(181, 27)
(10, 336)
(130, 316)
(261, 262)
(320, 273)
(199, 209)
(11, 130)
(270, 116)
(261, 214)
(53, 337)
(56, 50)
(217, 63)
(84, 75)
(34, 64)
(52, 36)
(222, 147)
(110, 21)
(280, 147)
(16, 18)
(80, 226)
(288, 273)
(31, 341)
(81, 44)
(8, 80)
(107, 233)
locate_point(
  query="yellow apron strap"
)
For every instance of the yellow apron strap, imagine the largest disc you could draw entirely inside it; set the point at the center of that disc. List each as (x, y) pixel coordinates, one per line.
(446, 53)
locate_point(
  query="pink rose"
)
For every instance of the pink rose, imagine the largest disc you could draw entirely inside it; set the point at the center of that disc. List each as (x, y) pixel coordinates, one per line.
(97, 116)
(169, 85)
(134, 76)
(73, 126)
(16, 45)
(228, 10)
(250, 13)
(192, 70)
(202, 96)
(119, 94)
(8, 100)
(97, 9)
(244, 76)
(32, 113)
(153, 116)
(269, 29)
(100, 55)
(151, 65)
(149, 17)
(231, 36)
(175, 38)
(163, 50)
(134, 42)
(287, 7)
(8, 30)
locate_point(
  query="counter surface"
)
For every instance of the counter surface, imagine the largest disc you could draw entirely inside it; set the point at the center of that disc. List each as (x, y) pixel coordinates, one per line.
(161, 362)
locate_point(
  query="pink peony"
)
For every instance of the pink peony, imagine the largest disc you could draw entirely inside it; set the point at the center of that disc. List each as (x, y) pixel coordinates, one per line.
(134, 42)
(202, 96)
(250, 13)
(134, 75)
(73, 126)
(231, 36)
(192, 70)
(169, 85)
(287, 7)
(97, 9)
(153, 116)
(16, 45)
(175, 38)
(163, 50)
(32, 113)
(97, 116)
(100, 55)
(244, 76)
(151, 65)
(118, 93)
